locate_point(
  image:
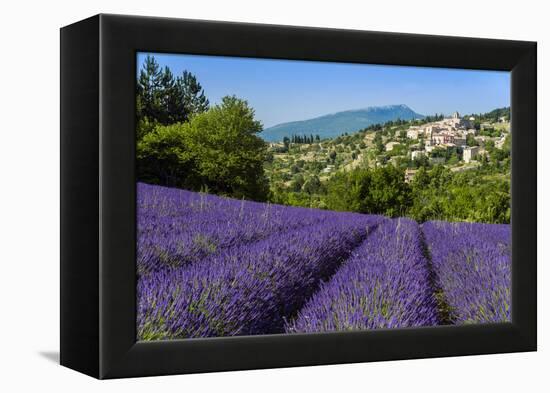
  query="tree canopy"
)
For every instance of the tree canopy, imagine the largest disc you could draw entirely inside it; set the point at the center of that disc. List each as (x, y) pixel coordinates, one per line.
(218, 149)
(475, 195)
(165, 99)
(379, 190)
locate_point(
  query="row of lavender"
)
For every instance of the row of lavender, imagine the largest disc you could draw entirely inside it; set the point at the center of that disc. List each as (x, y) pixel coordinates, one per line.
(385, 284)
(392, 281)
(211, 266)
(244, 273)
(178, 227)
(472, 266)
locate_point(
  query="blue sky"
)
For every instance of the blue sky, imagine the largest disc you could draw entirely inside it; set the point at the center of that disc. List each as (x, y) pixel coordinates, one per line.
(289, 90)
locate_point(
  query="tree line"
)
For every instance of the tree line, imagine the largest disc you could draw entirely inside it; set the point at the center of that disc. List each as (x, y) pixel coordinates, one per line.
(298, 139)
(481, 195)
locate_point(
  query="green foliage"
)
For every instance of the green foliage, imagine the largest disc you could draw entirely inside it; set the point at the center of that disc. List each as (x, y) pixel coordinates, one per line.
(481, 195)
(144, 126)
(286, 143)
(297, 183)
(312, 185)
(162, 98)
(499, 155)
(164, 157)
(419, 162)
(298, 199)
(149, 90)
(471, 140)
(453, 158)
(218, 149)
(303, 139)
(496, 114)
(192, 95)
(439, 152)
(378, 143)
(380, 190)
(507, 143)
(491, 132)
(452, 155)
(397, 150)
(474, 195)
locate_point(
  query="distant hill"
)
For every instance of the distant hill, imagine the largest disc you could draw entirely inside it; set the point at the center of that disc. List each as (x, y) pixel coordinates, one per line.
(335, 124)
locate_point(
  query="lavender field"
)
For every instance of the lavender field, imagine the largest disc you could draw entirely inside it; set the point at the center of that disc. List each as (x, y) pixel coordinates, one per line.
(209, 266)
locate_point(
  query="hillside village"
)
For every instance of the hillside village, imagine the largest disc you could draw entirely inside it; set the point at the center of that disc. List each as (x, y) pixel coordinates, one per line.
(457, 142)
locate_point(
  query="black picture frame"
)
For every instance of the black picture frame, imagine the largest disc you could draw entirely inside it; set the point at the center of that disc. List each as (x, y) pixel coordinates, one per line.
(98, 195)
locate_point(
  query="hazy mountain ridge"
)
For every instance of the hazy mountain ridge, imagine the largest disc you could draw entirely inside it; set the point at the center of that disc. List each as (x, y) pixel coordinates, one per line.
(335, 124)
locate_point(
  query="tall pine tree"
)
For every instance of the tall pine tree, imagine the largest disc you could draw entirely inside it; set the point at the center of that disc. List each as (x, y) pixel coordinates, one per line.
(165, 99)
(192, 94)
(149, 90)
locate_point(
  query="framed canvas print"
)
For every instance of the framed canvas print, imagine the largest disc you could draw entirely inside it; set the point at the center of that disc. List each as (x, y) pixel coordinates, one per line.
(239, 196)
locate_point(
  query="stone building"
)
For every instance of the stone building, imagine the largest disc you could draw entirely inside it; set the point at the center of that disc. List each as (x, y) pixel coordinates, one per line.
(441, 139)
(412, 133)
(469, 153)
(460, 142)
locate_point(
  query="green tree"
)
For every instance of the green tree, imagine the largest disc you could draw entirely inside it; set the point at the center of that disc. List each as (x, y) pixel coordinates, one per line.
(230, 152)
(218, 149)
(378, 143)
(286, 142)
(471, 140)
(144, 126)
(312, 185)
(164, 157)
(149, 90)
(474, 195)
(163, 99)
(380, 190)
(192, 95)
(297, 183)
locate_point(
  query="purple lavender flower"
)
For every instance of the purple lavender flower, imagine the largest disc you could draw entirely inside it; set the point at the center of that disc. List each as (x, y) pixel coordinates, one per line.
(472, 265)
(178, 227)
(249, 289)
(384, 284)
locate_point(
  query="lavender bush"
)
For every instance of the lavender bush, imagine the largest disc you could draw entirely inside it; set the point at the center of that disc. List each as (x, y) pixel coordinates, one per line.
(472, 265)
(248, 289)
(385, 284)
(177, 227)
